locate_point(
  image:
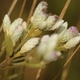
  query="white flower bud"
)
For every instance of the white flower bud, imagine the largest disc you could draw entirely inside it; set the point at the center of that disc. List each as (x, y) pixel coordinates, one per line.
(31, 43)
(16, 34)
(50, 53)
(47, 47)
(52, 42)
(52, 56)
(68, 34)
(50, 21)
(39, 16)
(57, 24)
(72, 42)
(42, 5)
(6, 23)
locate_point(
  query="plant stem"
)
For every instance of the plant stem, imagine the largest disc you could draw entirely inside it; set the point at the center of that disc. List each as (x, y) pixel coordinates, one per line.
(38, 74)
(64, 9)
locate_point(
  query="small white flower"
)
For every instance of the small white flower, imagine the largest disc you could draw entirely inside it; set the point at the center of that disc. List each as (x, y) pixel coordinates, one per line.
(17, 22)
(47, 48)
(68, 34)
(50, 53)
(6, 23)
(16, 34)
(39, 16)
(52, 42)
(72, 42)
(14, 29)
(42, 46)
(31, 43)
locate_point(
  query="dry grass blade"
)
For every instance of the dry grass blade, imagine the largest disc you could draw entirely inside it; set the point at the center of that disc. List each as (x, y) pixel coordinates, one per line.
(64, 9)
(12, 7)
(66, 69)
(10, 10)
(38, 74)
(67, 61)
(22, 8)
(31, 11)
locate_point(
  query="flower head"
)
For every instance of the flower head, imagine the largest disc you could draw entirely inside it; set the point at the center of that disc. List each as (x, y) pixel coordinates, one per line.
(43, 20)
(72, 42)
(46, 48)
(68, 34)
(39, 16)
(14, 29)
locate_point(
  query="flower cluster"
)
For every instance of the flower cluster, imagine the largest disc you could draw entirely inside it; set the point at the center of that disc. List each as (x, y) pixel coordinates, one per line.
(43, 20)
(49, 47)
(14, 29)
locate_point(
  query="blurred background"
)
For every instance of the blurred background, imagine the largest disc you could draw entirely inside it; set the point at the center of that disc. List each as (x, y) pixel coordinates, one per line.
(72, 16)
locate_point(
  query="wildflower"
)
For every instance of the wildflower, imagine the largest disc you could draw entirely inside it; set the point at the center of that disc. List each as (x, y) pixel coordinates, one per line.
(72, 42)
(14, 29)
(31, 43)
(50, 48)
(42, 46)
(67, 34)
(6, 23)
(39, 16)
(43, 20)
(47, 48)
